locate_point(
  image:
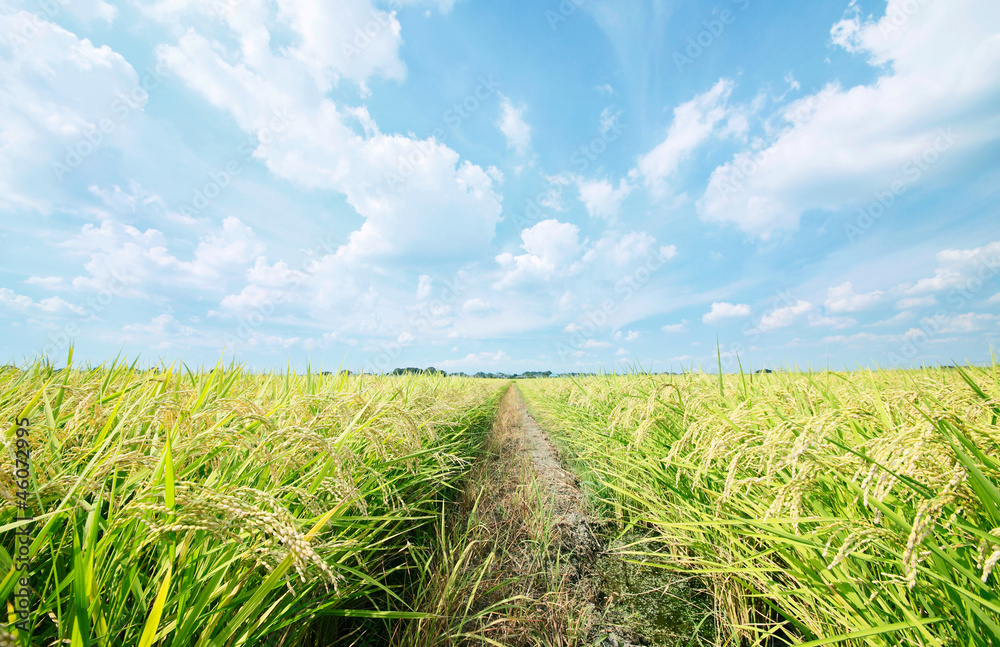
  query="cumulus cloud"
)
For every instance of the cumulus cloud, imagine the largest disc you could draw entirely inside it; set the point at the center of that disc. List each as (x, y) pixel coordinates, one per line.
(621, 250)
(940, 70)
(675, 329)
(916, 302)
(784, 317)
(843, 298)
(551, 247)
(958, 268)
(52, 283)
(694, 123)
(513, 126)
(483, 360)
(862, 339)
(123, 256)
(10, 300)
(424, 285)
(164, 325)
(601, 198)
(55, 90)
(965, 323)
(722, 311)
(408, 190)
(476, 306)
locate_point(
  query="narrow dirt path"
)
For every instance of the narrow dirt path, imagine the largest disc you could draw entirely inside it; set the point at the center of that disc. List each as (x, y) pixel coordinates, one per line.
(524, 564)
(575, 546)
(572, 530)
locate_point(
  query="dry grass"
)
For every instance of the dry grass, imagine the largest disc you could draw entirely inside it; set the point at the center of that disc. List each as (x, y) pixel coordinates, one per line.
(502, 576)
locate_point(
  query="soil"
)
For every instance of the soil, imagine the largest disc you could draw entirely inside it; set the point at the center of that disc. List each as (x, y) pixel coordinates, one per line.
(627, 604)
(575, 537)
(573, 534)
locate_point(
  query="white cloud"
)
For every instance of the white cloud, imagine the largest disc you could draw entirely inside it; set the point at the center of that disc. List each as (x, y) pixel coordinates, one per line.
(609, 119)
(164, 325)
(916, 302)
(513, 126)
(593, 343)
(897, 320)
(601, 198)
(694, 122)
(90, 10)
(476, 306)
(967, 323)
(477, 361)
(721, 311)
(995, 299)
(52, 283)
(632, 335)
(957, 268)
(862, 339)
(784, 317)
(843, 298)
(122, 256)
(9, 300)
(940, 70)
(407, 190)
(424, 286)
(675, 329)
(621, 250)
(261, 339)
(55, 89)
(819, 321)
(444, 6)
(551, 248)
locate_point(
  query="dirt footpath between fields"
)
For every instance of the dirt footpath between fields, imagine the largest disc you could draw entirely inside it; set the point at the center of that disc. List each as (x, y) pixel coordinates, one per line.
(570, 540)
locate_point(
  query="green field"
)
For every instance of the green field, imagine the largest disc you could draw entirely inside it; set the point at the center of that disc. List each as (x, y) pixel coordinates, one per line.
(224, 507)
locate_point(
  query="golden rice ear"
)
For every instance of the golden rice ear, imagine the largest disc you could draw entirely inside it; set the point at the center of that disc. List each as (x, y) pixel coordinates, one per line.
(877, 483)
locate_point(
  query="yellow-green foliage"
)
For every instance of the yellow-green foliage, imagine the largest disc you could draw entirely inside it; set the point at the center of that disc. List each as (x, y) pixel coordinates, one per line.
(863, 505)
(263, 508)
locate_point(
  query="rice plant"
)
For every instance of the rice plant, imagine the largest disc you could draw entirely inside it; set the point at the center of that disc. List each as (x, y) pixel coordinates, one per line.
(223, 507)
(853, 508)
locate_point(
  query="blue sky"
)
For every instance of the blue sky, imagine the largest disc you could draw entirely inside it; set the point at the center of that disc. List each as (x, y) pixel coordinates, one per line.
(501, 186)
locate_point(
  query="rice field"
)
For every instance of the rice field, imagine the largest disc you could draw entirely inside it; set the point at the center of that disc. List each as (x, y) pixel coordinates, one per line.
(821, 508)
(178, 507)
(223, 507)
